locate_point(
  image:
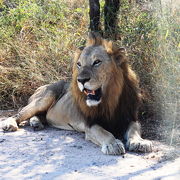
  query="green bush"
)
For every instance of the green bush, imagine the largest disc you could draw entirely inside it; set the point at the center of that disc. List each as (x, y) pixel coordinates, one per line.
(37, 40)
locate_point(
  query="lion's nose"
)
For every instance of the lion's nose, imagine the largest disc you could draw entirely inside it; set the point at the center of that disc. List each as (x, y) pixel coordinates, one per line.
(83, 80)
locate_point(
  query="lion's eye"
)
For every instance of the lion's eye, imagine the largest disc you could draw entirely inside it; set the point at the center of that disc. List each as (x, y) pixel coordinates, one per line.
(78, 64)
(97, 62)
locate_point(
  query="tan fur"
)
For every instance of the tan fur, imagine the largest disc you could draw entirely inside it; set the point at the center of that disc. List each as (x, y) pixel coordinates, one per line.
(114, 86)
(109, 104)
(65, 105)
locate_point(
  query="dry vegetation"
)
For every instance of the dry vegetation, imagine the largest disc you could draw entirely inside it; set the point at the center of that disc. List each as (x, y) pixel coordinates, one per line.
(37, 41)
(38, 37)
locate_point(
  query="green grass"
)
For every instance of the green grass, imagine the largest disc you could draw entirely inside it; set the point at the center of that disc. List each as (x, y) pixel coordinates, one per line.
(37, 41)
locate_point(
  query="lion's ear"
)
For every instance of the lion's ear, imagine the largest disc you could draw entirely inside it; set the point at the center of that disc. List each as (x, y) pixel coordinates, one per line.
(78, 53)
(94, 38)
(120, 55)
(122, 50)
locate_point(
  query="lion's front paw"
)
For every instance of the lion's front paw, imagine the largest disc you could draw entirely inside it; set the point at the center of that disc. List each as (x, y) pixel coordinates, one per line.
(139, 145)
(36, 123)
(9, 124)
(115, 147)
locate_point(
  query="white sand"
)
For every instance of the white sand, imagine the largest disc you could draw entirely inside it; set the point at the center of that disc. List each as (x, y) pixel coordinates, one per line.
(58, 154)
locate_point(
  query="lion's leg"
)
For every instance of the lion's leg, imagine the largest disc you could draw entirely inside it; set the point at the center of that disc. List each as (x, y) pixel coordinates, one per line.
(134, 140)
(109, 144)
(36, 106)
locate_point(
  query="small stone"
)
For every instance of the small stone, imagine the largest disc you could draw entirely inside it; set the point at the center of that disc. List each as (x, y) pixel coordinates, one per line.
(2, 140)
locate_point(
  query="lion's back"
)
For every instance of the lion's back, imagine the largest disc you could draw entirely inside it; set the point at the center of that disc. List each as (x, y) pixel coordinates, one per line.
(56, 90)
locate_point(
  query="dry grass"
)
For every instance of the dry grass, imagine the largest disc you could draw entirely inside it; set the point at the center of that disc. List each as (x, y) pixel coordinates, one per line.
(166, 71)
(37, 42)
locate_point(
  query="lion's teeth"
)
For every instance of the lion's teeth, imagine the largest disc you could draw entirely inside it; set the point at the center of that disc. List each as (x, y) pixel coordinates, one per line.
(93, 92)
(87, 92)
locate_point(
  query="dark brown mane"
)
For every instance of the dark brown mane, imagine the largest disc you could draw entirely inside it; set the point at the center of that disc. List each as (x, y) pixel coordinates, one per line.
(121, 100)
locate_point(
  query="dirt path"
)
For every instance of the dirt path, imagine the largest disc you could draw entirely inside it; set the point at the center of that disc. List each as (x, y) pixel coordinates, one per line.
(58, 154)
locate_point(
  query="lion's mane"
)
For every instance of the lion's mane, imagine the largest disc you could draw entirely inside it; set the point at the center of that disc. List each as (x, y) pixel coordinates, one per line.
(121, 100)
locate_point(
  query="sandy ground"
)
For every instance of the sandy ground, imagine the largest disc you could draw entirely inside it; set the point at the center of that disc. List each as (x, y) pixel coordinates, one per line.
(58, 154)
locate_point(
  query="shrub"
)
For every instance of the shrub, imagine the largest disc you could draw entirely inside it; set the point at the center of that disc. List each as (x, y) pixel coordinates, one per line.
(37, 39)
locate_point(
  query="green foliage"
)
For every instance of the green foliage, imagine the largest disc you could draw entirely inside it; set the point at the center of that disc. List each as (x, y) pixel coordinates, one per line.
(167, 71)
(51, 17)
(37, 38)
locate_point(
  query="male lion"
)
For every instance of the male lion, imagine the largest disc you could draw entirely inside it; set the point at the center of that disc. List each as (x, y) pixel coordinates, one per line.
(101, 100)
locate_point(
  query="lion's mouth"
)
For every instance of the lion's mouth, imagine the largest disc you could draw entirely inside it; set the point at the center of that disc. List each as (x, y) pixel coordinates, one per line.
(93, 96)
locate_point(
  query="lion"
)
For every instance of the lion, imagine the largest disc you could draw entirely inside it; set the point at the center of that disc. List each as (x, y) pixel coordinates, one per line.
(101, 100)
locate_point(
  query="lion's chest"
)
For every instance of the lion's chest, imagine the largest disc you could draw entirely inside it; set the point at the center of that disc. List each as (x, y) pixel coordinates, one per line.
(116, 124)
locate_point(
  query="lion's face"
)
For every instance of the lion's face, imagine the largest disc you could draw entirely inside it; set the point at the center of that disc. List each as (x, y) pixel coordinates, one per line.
(97, 74)
(94, 69)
